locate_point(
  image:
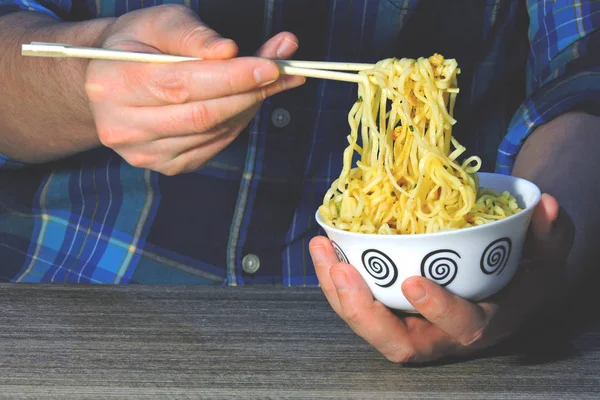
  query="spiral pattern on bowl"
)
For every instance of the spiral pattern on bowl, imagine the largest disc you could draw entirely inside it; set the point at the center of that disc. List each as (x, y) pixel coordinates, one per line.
(440, 266)
(339, 252)
(380, 267)
(495, 256)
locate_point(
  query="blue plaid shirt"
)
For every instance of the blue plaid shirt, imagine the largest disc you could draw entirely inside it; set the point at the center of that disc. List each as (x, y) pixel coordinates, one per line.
(93, 218)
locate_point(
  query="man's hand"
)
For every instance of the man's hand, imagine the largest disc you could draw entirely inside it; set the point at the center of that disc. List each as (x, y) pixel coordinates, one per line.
(172, 118)
(449, 325)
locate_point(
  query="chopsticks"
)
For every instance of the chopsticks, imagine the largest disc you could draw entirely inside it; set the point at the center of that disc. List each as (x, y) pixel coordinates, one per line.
(309, 69)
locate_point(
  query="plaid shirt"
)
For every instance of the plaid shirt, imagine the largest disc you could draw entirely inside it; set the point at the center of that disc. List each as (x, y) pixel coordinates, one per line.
(93, 218)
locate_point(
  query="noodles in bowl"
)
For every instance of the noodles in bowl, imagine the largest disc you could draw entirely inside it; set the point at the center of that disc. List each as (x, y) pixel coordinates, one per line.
(408, 179)
(409, 206)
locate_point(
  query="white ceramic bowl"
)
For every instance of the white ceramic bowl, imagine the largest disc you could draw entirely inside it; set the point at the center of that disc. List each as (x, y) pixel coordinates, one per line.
(473, 263)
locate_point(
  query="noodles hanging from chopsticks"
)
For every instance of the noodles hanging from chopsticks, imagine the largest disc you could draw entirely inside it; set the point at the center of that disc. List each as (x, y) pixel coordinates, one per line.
(408, 179)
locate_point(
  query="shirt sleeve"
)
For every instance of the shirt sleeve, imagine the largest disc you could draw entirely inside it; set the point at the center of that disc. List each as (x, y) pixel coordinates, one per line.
(51, 7)
(7, 7)
(563, 69)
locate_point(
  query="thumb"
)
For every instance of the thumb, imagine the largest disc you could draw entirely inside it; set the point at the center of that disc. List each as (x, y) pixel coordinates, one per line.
(280, 46)
(171, 29)
(548, 244)
(551, 232)
(544, 215)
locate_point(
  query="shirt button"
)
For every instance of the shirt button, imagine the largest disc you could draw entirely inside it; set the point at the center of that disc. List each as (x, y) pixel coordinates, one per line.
(281, 117)
(250, 263)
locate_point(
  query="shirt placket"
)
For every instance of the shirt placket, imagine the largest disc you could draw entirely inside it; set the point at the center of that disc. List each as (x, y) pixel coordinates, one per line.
(248, 185)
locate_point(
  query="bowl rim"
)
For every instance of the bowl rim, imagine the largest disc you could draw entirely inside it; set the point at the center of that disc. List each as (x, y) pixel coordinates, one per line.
(526, 211)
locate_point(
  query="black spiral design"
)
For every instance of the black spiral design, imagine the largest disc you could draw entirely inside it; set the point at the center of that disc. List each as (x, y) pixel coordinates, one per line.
(339, 252)
(495, 256)
(440, 266)
(380, 267)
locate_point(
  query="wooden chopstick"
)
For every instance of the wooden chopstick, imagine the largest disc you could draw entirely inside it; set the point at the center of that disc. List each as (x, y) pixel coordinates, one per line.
(39, 49)
(334, 66)
(320, 73)
(309, 69)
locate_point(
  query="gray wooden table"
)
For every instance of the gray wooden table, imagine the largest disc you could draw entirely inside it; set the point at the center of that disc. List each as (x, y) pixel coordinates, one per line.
(157, 342)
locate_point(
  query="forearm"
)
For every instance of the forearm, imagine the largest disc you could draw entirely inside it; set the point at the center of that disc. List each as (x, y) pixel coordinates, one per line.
(561, 158)
(44, 112)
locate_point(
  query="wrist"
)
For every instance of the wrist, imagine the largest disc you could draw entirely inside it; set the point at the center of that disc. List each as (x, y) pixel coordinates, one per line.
(64, 78)
(84, 34)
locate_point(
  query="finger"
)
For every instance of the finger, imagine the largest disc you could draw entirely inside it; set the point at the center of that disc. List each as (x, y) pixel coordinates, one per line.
(525, 294)
(155, 135)
(281, 46)
(548, 244)
(161, 156)
(160, 84)
(192, 118)
(194, 158)
(464, 321)
(544, 215)
(174, 29)
(369, 318)
(324, 257)
(550, 233)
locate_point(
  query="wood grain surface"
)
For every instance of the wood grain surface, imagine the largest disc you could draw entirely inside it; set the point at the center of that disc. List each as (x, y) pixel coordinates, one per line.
(195, 342)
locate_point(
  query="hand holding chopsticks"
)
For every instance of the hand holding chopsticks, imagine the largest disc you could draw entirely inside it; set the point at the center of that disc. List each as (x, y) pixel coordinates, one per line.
(309, 69)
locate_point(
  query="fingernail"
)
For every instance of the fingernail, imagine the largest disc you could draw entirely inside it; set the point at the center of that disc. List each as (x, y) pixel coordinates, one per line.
(266, 73)
(95, 91)
(292, 81)
(318, 255)
(218, 42)
(286, 48)
(340, 280)
(415, 292)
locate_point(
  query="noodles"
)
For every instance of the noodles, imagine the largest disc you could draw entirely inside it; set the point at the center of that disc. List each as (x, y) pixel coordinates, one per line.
(408, 179)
